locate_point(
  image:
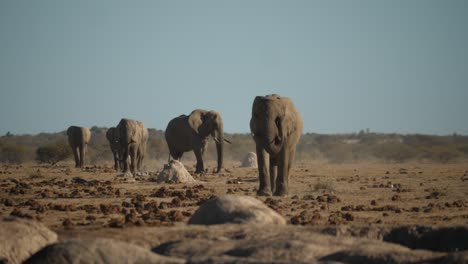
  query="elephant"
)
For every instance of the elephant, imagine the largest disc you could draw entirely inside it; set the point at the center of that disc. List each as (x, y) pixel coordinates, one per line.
(78, 138)
(276, 127)
(113, 138)
(132, 138)
(187, 133)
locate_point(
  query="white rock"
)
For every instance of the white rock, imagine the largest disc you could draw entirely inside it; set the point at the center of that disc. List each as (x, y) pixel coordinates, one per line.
(250, 160)
(175, 172)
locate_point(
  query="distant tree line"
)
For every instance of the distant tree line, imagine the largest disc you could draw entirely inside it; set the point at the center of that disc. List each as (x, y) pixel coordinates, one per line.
(338, 148)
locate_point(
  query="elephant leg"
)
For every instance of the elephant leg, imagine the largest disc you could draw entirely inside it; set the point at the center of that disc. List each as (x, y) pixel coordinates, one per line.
(200, 166)
(284, 166)
(140, 160)
(133, 157)
(124, 159)
(116, 161)
(75, 155)
(177, 155)
(263, 173)
(82, 155)
(140, 163)
(273, 172)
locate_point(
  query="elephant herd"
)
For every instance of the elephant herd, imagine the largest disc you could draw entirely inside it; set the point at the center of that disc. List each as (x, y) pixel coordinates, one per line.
(276, 127)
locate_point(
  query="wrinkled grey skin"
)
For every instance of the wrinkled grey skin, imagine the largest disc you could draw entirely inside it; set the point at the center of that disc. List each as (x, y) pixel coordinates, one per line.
(187, 133)
(132, 140)
(113, 138)
(78, 138)
(276, 126)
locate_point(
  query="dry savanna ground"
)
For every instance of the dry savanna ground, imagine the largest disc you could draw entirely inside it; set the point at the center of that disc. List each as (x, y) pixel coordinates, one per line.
(96, 199)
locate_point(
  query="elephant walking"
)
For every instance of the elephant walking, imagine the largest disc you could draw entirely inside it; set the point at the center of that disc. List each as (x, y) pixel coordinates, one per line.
(187, 133)
(276, 126)
(132, 140)
(113, 138)
(78, 138)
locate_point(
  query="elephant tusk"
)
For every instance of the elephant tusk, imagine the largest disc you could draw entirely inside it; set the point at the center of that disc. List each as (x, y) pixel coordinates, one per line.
(225, 140)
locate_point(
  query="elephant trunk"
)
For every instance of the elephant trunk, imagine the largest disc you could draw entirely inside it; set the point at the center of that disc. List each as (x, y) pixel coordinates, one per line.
(273, 137)
(219, 139)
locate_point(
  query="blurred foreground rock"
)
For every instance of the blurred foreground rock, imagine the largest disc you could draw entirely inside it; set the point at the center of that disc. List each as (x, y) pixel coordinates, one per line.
(99, 250)
(235, 209)
(20, 238)
(263, 243)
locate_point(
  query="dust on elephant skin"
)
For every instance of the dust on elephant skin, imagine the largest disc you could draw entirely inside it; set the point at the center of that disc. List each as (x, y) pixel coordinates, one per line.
(276, 126)
(190, 133)
(78, 138)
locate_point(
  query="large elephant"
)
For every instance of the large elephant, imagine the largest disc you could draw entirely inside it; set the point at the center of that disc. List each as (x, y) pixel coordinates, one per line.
(132, 140)
(78, 138)
(276, 126)
(186, 133)
(113, 138)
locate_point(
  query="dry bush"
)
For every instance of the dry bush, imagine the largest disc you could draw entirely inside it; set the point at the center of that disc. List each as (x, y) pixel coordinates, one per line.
(326, 187)
(338, 152)
(10, 153)
(336, 148)
(53, 153)
(394, 151)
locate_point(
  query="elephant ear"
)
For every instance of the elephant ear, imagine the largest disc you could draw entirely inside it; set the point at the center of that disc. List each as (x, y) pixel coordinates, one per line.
(110, 134)
(197, 121)
(288, 122)
(87, 135)
(254, 119)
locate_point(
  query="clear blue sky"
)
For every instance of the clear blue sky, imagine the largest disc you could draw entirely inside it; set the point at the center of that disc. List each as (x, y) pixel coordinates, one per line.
(390, 66)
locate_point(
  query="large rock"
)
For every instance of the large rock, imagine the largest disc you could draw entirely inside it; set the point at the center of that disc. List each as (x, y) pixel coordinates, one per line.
(175, 172)
(235, 209)
(20, 238)
(99, 250)
(239, 243)
(250, 160)
(291, 244)
(446, 238)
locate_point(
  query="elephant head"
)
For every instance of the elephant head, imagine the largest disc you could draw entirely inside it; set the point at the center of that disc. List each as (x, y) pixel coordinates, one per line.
(112, 136)
(206, 123)
(271, 122)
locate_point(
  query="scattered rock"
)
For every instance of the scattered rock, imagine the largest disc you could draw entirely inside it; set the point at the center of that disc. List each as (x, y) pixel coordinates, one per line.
(235, 209)
(396, 197)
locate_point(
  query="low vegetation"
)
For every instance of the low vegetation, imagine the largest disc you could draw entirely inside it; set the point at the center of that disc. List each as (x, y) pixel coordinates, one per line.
(339, 148)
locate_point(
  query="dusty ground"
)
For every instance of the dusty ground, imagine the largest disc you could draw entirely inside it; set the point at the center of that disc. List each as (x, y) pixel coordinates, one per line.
(70, 201)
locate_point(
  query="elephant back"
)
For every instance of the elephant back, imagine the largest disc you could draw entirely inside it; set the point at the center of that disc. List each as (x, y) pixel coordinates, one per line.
(132, 130)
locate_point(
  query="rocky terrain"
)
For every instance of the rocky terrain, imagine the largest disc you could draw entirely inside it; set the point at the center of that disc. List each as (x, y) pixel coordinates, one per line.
(335, 213)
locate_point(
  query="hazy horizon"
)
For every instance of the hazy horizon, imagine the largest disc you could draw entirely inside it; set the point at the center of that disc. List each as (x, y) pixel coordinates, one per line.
(387, 66)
